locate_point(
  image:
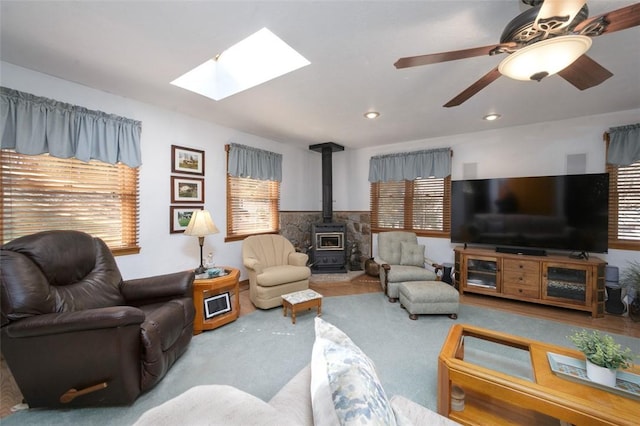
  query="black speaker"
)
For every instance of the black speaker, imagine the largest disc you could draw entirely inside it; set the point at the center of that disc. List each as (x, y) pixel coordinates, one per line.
(613, 304)
(447, 274)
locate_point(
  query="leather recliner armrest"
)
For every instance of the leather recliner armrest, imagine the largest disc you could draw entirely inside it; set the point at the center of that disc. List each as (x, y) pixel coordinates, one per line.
(157, 287)
(65, 322)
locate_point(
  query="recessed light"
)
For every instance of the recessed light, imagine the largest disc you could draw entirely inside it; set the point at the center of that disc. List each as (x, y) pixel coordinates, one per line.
(372, 115)
(491, 117)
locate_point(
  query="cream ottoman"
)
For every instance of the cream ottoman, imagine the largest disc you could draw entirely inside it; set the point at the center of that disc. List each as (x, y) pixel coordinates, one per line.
(429, 297)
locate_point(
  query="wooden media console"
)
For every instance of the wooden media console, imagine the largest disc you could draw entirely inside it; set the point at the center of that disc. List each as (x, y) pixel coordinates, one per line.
(550, 280)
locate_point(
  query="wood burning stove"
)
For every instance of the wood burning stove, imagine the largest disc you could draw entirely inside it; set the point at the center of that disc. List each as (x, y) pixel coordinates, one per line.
(328, 249)
(329, 241)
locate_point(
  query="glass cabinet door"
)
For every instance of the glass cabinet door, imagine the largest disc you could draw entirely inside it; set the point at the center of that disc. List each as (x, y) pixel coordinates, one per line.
(566, 283)
(482, 274)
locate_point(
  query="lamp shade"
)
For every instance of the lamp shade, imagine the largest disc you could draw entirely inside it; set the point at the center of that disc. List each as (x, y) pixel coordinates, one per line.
(544, 58)
(201, 224)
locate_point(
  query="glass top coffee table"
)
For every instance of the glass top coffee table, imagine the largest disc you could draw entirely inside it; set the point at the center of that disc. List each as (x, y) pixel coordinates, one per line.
(538, 397)
(301, 300)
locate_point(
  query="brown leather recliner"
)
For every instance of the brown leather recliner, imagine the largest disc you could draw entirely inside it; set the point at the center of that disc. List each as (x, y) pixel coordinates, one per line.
(75, 334)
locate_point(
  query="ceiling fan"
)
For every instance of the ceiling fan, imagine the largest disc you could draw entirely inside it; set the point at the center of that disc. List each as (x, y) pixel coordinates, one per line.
(551, 29)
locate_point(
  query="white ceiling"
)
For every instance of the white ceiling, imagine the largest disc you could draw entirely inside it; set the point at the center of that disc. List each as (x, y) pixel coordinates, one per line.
(135, 48)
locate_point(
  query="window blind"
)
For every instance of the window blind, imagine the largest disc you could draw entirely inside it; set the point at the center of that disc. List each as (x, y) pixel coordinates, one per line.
(387, 205)
(41, 192)
(624, 206)
(421, 205)
(252, 207)
(430, 204)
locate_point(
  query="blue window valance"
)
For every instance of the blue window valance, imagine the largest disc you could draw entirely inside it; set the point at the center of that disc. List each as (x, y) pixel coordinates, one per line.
(254, 163)
(410, 165)
(624, 145)
(34, 125)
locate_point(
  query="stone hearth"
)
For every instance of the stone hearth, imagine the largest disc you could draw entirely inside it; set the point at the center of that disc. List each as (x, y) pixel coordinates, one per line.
(296, 227)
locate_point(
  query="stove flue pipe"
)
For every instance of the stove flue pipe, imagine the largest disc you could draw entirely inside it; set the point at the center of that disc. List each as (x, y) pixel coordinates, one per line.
(327, 149)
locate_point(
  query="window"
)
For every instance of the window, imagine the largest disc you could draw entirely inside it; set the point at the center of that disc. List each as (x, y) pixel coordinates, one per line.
(252, 207)
(624, 206)
(253, 191)
(40, 193)
(421, 205)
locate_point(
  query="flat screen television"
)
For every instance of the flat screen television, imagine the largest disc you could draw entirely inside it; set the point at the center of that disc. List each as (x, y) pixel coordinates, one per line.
(568, 212)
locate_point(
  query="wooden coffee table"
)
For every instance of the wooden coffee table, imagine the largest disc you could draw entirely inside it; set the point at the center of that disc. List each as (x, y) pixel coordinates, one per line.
(495, 398)
(301, 300)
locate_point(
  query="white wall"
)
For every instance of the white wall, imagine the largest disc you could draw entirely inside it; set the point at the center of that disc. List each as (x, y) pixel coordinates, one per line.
(539, 149)
(534, 150)
(163, 252)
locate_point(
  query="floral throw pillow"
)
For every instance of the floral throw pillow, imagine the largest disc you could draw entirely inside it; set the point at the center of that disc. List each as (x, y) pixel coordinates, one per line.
(345, 388)
(412, 254)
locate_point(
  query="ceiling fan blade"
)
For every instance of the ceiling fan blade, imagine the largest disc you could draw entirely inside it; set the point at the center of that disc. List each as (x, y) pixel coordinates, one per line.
(434, 58)
(484, 81)
(616, 20)
(585, 73)
(565, 10)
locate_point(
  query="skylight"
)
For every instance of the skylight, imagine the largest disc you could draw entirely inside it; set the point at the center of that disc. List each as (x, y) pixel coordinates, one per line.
(259, 58)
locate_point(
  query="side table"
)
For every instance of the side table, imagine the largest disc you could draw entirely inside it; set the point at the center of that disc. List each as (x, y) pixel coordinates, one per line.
(216, 300)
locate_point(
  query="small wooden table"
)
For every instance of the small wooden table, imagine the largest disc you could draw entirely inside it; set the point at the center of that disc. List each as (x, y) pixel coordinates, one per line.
(300, 300)
(216, 300)
(495, 398)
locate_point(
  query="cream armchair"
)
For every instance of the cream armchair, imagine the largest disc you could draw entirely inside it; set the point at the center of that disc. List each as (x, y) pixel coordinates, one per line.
(275, 268)
(402, 260)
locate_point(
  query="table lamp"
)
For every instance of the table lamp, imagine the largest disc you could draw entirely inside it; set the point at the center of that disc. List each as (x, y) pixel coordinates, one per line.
(199, 226)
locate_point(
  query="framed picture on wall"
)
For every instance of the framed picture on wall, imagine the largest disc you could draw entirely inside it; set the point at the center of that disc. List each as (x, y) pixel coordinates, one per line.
(187, 190)
(180, 217)
(187, 160)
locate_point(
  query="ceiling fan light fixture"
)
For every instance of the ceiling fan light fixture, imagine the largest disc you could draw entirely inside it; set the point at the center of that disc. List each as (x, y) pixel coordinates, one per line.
(544, 58)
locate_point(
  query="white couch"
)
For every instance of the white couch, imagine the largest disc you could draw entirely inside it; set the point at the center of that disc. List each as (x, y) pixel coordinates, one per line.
(226, 406)
(222, 405)
(303, 400)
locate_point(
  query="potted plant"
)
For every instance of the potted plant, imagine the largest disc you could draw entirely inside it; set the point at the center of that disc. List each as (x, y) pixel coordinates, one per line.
(630, 280)
(604, 356)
